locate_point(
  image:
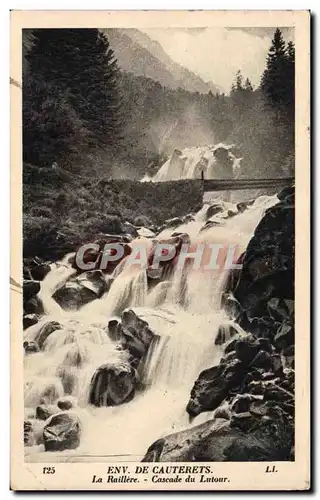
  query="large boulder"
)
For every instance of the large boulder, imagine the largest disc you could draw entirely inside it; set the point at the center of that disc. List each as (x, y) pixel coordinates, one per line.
(268, 264)
(213, 385)
(81, 290)
(112, 384)
(135, 334)
(218, 441)
(165, 268)
(62, 432)
(95, 255)
(245, 359)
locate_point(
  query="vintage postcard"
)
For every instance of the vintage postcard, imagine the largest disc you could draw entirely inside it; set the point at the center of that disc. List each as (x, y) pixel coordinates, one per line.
(160, 208)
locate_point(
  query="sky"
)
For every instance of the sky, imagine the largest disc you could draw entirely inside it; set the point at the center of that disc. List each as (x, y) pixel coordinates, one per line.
(217, 53)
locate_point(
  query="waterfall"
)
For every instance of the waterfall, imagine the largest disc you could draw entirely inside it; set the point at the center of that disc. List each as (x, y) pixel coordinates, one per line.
(184, 314)
(191, 163)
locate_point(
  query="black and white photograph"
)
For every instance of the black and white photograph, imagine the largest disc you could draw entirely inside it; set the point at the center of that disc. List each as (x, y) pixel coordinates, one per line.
(158, 250)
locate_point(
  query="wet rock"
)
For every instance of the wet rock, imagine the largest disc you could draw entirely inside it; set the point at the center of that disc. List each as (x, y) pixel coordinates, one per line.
(217, 441)
(265, 344)
(113, 329)
(112, 385)
(225, 333)
(263, 327)
(256, 387)
(210, 224)
(129, 228)
(208, 392)
(276, 365)
(94, 281)
(222, 412)
(247, 348)
(40, 271)
(44, 411)
(214, 209)
(66, 403)
(243, 205)
(267, 273)
(166, 267)
(192, 444)
(286, 193)
(262, 360)
(30, 320)
(213, 386)
(94, 256)
(45, 331)
(136, 334)
(30, 347)
(28, 436)
(230, 346)
(288, 356)
(30, 289)
(284, 336)
(280, 309)
(73, 295)
(242, 402)
(276, 393)
(243, 421)
(62, 432)
(263, 443)
(33, 432)
(33, 306)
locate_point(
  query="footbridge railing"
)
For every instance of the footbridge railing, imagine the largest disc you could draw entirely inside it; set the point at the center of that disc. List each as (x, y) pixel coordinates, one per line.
(239, 184)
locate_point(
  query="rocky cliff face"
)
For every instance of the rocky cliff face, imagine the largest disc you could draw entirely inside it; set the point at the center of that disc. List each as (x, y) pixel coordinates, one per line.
(252, 387)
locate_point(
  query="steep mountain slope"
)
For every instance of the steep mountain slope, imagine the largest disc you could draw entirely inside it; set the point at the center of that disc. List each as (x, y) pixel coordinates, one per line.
(137, 53)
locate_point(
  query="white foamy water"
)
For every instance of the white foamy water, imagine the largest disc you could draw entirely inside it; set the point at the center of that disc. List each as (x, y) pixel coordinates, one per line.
(190, 163)
(184, 313)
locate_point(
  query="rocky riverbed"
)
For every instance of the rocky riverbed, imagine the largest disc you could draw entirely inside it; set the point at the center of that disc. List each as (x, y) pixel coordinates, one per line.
(248, 392)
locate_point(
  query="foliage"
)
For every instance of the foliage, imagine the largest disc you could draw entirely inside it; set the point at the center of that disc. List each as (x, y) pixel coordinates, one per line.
(83, 208)
(71, 103)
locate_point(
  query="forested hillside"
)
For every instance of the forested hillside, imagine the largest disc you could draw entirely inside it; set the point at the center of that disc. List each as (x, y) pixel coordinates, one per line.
(81, 111)
(84, 116)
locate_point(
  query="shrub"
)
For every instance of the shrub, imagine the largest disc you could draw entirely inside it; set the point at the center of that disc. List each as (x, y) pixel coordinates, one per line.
(44, 212)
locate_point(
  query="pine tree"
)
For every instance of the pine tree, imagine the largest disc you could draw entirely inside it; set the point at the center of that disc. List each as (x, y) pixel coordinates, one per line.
(290, 84)
(248, 85)
(273, 81)
(239, 80)
(79, 65)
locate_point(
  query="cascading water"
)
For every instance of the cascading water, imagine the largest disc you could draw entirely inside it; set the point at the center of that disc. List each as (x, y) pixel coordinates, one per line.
(191, 163)
(184, 313)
